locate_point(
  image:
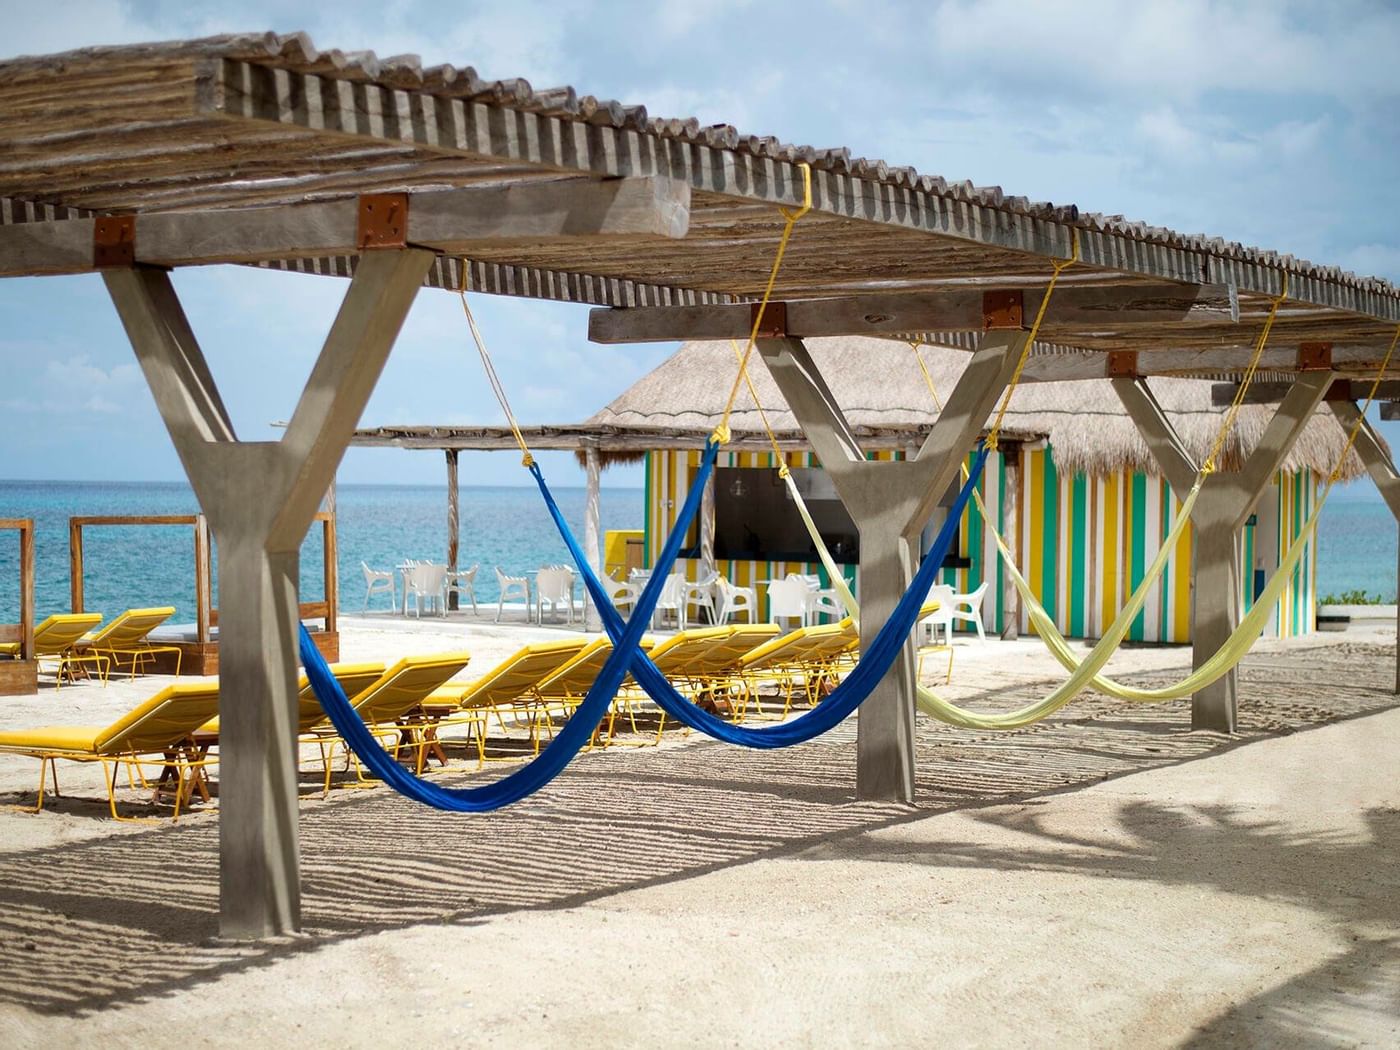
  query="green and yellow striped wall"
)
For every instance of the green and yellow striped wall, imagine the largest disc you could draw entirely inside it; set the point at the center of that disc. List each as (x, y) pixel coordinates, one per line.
(1083, 543)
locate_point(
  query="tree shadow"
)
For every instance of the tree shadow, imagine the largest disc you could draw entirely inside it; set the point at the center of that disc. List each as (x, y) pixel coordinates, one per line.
(125, 918)
(1353, 880)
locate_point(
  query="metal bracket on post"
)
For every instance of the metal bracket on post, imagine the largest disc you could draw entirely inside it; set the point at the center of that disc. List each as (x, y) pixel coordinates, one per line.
(382, 221)
(1122, 364)
(1315, 357)
(114, 241)
(773, 324)
(1003, 310)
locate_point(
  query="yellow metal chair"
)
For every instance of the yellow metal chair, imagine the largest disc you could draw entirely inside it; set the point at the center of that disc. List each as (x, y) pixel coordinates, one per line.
(805, 657)
(163, 726)
(570, 684)
(392, 706)
(928, 610)
(508, 688)
(126, 638)
(56, 639)
(354, 679)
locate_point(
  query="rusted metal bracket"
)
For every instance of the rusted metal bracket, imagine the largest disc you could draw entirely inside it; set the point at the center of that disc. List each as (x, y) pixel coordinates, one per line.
(1314, 357)
(1003, 310)
(774, 322)
(114, 241)
(1122, 364)
(382, 221)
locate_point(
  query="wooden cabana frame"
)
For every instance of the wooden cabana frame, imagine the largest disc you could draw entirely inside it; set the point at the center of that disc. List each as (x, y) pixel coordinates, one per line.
(126, 159)
(21, 676)
(200, 656)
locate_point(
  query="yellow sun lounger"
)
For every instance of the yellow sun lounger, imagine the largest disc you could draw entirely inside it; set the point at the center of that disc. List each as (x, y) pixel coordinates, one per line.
(162, 726)
(354, 679)
(56, 638)
(125, 637)
(570, 684)
(807, 656)
(393, 702)
(510, 686)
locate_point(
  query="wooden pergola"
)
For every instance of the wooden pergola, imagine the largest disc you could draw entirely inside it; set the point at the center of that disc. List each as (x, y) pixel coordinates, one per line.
(263, 150)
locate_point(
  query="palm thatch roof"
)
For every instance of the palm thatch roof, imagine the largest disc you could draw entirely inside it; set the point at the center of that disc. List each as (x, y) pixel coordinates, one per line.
(880, 388)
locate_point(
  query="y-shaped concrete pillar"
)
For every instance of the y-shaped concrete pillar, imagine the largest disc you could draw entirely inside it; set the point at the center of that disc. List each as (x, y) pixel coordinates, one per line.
(890, 502)
(1226, 500)
(260, 498)
(1382, 470)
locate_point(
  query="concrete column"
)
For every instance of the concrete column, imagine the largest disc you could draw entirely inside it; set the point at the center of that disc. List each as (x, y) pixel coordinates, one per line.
(592, 534)
(453, 523)
(1011, 531)
(260, 499)
(1381, 467)
(1226, 500)
(889, 503)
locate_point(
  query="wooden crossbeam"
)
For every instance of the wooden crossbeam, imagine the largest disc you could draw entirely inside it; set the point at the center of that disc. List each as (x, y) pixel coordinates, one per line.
(1272, 393)
(956, 310)
(455, 221)
(1193, 363)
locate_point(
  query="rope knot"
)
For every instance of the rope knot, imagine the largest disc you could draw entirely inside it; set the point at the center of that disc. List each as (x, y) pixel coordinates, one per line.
(527, 461)
(721, 435)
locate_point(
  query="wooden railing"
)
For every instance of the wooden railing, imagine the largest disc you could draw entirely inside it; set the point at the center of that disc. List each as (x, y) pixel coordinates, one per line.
(206, 616)
(22, 632)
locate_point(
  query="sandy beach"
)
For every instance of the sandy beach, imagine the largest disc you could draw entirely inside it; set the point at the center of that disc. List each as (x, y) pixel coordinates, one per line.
(1106, 877)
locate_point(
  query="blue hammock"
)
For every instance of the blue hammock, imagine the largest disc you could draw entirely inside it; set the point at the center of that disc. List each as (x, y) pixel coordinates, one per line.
(575, 734)
(842, 700)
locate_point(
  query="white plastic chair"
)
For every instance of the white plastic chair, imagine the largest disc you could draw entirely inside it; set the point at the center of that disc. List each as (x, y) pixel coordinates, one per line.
(672, 600)
(463, 581)
(512, 586)
(787, 600)
(554, 584)
(825, 602)
(968, 609)
(942, 617)
(701, 594)
(427, 583)
(734, 600)
(624, 595)
(377, 582)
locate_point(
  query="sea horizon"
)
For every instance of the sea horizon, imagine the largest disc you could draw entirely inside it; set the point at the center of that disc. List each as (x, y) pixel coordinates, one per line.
(383, 523)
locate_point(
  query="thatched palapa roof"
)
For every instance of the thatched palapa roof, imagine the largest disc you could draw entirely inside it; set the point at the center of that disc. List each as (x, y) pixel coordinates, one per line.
(878, 385)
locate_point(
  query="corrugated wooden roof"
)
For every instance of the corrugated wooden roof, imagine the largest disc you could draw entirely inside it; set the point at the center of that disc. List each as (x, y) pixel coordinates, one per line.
(257, 119)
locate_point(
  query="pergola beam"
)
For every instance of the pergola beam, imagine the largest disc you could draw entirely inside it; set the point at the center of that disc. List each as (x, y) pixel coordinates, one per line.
(1381, 467)
(1057, 367)
(260, 498)
(953, 310)
(1342, 390)
(889, 503)
(451, 221)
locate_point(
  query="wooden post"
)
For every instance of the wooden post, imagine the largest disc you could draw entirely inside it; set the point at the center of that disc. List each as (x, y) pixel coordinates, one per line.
(453, 523)
(75, 565)
(1226, 500)
(26, 590)
(889, 503)
(1011, 531)
(261, 497)
(203, 581)
(330, 567)
(592, 529)
(1381, 467)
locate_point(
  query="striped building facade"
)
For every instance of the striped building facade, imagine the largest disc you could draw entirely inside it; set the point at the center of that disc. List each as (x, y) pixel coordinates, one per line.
(1083, 543)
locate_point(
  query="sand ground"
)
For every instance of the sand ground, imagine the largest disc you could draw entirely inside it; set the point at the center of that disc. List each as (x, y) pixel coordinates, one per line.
(1104, 878)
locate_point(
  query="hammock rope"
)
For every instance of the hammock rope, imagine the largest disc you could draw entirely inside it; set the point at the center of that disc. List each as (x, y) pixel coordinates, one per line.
(1241, 639)
(575, 734)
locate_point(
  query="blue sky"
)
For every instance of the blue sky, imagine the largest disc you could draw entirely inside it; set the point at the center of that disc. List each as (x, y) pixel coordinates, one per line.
(1270, 123)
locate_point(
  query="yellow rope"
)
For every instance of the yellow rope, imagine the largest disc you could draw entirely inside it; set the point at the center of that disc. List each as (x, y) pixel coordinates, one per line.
(721, 434)
(1209, 465)
(526, 459)
(1060, 267)
(778, 456)
(1356, 427)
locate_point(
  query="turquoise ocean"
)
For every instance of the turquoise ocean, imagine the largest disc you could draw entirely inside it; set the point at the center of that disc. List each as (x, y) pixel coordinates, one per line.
(134, 566)
(127, 567)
